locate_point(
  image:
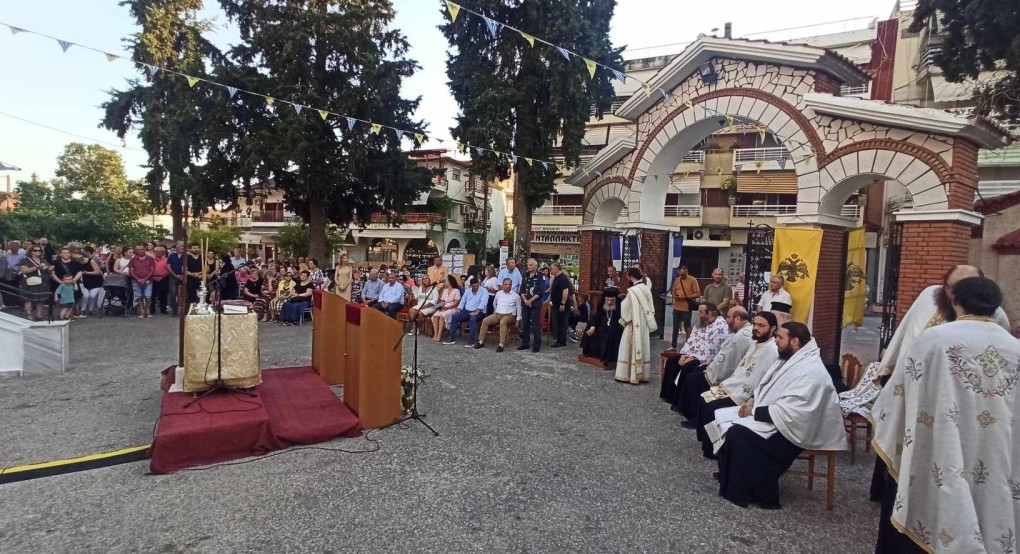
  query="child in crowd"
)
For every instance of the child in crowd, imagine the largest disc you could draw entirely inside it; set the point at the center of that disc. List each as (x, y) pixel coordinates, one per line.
(64, 296)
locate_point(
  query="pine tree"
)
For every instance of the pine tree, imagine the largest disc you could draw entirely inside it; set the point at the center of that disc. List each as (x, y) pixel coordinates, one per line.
(528, 100)
(164, 108)
(977, 37)
(338, 55)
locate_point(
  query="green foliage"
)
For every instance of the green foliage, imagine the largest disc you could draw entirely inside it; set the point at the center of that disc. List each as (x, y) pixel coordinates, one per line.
(58, 211)
(976, 37)
(98, 172)
(729, 184)
(292, 241)
(221, 237)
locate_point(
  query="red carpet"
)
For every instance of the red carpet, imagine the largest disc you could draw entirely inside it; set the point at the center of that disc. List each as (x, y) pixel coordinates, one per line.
(292, 406)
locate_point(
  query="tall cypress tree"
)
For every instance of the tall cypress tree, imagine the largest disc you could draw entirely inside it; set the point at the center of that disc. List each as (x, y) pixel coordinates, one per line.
(339, 55)
(529, 100)
(163, 107)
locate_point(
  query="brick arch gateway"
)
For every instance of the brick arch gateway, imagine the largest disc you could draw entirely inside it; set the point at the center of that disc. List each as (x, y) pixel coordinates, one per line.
(836, 146)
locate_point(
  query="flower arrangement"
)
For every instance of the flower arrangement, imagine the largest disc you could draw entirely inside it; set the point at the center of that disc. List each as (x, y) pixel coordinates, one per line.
(407, 389)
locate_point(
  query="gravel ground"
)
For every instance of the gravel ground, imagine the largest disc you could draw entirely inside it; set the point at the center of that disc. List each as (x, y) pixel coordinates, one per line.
(536, 453)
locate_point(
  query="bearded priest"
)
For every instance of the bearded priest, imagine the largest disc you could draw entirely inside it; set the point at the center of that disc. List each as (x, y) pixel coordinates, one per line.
(795, 408)
(948, 434)
(637, 316)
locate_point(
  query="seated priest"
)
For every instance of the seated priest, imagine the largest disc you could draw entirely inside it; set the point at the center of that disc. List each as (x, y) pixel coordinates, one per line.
(391, 299)
(701, 347)
(795, 408)
(506, 311)
(739, 386)
(601, 338)
(721, 367)
(782, 312)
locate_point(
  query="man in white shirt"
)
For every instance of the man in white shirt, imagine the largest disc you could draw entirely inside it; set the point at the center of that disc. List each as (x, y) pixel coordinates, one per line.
(506, 310)
(776, 293)
(391, 299)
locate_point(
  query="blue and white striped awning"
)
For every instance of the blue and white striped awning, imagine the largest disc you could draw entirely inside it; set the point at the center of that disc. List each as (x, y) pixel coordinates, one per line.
(5, 167)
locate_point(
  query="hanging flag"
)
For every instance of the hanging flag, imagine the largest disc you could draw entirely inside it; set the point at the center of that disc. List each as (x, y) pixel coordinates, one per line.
(376, 128)
(323, 114)
(350, 123)
(454, 9)
(399, 134)
(689, 104)
(545, 165)
(647, 89)
(152, 70)
(701, 173)
(270, 100)
(493, 26)
(718, 171)
(729, 121)
(761, 134)
(530, 161)
(743, 128)
(420, 137)
(757, 167)
(619, 75)
(478, 151)
(665, 95)
(529, 38)
(233, 91)
(782, 163)
(807, 157)
(856, 279)
(591, 65)
(737, 168)
(598, 174)
(111, 57)
(15, 30)
(64, 45)
(564, 51)
(795, 258)
(192, 81)
(513, 158)
(297, 108)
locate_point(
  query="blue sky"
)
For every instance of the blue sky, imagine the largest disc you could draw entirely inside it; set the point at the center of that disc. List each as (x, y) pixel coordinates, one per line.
(64, 90)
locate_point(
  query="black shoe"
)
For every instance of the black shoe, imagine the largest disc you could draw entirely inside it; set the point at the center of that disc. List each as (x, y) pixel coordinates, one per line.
(558, 345)
(688, 425)
(715, 476)
(478, 345)
(574, 338)
(523, 347)
(499, 348)
(535, 350)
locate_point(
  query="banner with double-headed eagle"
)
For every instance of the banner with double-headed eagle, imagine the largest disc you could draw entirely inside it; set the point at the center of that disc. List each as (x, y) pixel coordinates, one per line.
(795, 258)
(856, 279)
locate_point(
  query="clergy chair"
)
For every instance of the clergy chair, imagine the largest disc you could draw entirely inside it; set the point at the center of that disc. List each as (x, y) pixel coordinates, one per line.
(829, 475)
(853, 422)
(851, 369)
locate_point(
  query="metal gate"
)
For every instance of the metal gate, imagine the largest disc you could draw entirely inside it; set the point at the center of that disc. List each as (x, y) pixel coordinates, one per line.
(757, 263)
(890, 290)
(630, 249)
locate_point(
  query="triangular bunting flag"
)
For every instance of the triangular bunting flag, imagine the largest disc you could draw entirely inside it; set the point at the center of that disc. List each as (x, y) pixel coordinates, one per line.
(192, 81)
(619, 75)
(111, 57)
(564, 52)
(807, 157)
(689, 104)
(665, 95)
(513, 158)
(64, 45)
(757, 167)
(701, 173)
(232, 91)
(782, 163)
(152, 70)
(729, 121)
(493, 26)
(479, 151)
(545, 165)
(297, 108)
(15, 30)
(743, 127)
(270, 100)
(399, 134)
(454, 9)
(323, 114)
(420, 138)
(761, 134)
(350, 123)
(598, 174)
(376, 128)
(647, 89)
(737, 169)
(591, 65)
(562, 168)
(530, 161)
(529, 38)
(718, 171)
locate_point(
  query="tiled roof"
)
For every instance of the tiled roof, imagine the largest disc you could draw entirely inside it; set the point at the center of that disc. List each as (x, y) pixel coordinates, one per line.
(996, 204)
(1008, 243)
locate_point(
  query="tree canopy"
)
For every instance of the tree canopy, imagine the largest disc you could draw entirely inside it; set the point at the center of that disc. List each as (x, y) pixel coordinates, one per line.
(532, 101)
(978, 37)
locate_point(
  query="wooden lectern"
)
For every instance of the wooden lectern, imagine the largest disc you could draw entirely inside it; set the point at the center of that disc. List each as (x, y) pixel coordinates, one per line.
(329, 336)
(374, 352)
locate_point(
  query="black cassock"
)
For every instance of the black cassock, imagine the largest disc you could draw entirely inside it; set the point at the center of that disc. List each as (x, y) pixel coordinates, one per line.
(605, 343)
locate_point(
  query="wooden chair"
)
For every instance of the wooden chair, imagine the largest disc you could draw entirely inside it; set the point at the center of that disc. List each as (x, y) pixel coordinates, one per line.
(829, 475)
(853, 370)
(404, 314)
(665, 357)
(547, 321)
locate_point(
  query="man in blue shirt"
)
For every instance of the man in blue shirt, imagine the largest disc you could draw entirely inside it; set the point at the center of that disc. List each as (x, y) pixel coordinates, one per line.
(391, 299)
(372, 289)
(472, 310)
(533, 288)
(175, 261)
(511, 272)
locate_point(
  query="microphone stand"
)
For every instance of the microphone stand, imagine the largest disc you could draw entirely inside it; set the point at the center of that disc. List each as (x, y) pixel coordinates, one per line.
(218, 384)
(415, 414)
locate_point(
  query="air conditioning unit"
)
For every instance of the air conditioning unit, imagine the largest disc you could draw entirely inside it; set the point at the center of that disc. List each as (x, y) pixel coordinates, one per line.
(466, 210)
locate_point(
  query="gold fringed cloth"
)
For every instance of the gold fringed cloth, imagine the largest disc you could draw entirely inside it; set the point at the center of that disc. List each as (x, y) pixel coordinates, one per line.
(241, 367)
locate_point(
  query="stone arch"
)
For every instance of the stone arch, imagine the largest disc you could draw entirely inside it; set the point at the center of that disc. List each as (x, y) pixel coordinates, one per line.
(846, 170)
(604, 203)
(678, 132)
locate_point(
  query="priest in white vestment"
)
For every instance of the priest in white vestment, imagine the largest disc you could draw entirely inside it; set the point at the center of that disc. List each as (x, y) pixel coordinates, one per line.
(637, 316)
(733, 349)
(954, 449)
(795, 408)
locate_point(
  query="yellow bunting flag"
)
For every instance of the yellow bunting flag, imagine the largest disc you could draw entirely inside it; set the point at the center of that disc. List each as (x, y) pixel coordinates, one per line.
(530, 161)
(192, 81)
(420, 137)
(529, 38)
(855, 290)
(111, 57)
(647, 89)
(757, 167)
(718, 171)
(591, 66)
(795, 259)
(270, 100)
(807, 157)
(454, 9)
(323, 114)
(689, 104)
(376, 128)
(729, 121)
(761, 133)
(15, 30)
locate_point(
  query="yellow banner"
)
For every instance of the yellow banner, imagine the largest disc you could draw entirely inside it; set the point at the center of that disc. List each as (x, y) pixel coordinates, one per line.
(856, 279)
(795, 258)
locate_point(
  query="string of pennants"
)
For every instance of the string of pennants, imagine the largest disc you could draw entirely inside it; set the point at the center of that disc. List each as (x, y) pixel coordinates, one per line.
(374, 128)
(494, 26)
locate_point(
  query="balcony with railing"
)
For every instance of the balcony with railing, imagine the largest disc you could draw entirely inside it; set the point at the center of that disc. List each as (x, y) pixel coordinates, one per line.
(412, 220)
(742, 215)
(856, 91)
(694, 157)
(749, 158)
(683, 215)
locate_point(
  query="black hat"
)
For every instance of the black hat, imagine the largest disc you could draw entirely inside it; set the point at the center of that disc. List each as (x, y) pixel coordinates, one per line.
(768, 316)
(782, 307)
(610, 292)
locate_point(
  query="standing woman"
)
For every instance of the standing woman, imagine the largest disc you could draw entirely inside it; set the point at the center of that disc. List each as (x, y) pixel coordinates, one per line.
(343, 276)
(212, 270)
(111, 260)
(35, 276)
(229, 283)
(92, 283)
(448, 306)
(491, 285)
(121, 264)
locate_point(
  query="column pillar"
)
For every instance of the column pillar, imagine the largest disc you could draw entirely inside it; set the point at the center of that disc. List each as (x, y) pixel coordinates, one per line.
(826, 321)
(594, 257)
(653, 259)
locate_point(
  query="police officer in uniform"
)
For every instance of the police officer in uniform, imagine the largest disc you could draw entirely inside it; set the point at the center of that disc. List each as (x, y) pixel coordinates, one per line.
(533, 287)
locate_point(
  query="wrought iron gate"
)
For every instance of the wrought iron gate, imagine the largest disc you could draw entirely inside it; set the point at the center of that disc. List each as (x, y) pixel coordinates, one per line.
(891, 285)
(630, 249)
(757, 263)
